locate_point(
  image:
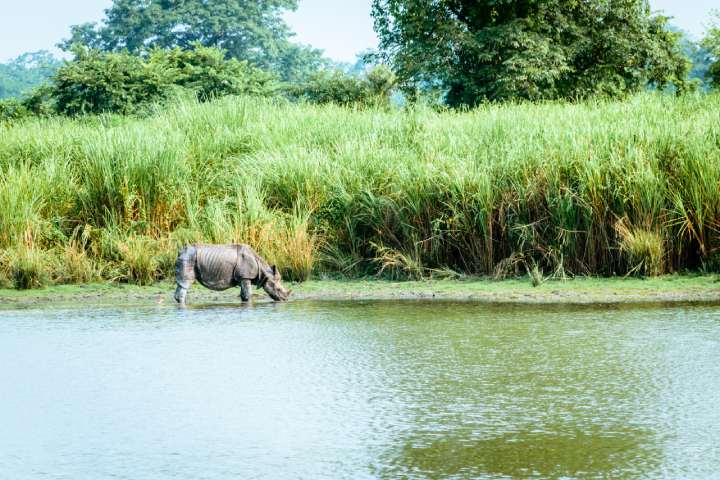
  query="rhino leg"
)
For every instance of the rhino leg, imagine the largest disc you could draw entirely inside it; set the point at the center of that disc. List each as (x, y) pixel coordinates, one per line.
(180, 294)
(245, 290)
(184, 272)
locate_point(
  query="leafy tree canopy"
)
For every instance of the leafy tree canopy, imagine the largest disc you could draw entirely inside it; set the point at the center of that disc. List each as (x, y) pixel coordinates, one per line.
(248, 30)
(475, 50)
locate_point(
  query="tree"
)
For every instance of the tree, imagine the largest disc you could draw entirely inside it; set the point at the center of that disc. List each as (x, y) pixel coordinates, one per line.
(711, 43)
(26, 72)
(479, 50)
(699, 57)
(248, 30)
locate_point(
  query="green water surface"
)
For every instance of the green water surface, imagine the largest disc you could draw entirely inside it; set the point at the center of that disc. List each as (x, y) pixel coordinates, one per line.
(331, 390)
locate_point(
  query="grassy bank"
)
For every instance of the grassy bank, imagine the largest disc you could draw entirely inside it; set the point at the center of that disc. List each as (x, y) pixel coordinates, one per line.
(554, 189)
(580, 290)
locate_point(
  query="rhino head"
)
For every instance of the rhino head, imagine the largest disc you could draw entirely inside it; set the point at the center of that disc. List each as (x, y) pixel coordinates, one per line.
(273, 287)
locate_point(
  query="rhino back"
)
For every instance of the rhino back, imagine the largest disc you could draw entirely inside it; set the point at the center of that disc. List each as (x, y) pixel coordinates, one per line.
(215, 265)
(249, 263)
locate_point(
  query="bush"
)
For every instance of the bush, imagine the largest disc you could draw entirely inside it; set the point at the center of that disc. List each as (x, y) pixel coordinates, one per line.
(209, 74)
(12, 109)
(373, 88)
(380, 82)
(38, 103)
(98, 82)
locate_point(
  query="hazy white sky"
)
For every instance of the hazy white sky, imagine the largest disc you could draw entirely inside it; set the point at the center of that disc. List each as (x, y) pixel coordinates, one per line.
(340, 27)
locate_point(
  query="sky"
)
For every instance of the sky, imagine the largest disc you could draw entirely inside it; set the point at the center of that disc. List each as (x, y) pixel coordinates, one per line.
(340, 28)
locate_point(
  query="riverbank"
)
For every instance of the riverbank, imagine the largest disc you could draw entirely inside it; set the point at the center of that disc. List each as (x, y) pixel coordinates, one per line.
(581, 290)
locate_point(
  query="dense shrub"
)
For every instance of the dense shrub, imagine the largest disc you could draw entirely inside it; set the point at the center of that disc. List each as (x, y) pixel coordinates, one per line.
(372, 88)
(98, 82)
(209, 74)
(12, 109)
(38, 103)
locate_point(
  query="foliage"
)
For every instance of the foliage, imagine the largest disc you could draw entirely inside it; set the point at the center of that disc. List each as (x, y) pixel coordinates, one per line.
(335, 86)
(98, 82)
(411, 193)
(12, 109)
(38, 103)
(29, 70)
(698, 57)
(25, 266)
(512, 49)
(645, 249)
(246, 29)
(296, 63)
(711, 43)
(205, 71)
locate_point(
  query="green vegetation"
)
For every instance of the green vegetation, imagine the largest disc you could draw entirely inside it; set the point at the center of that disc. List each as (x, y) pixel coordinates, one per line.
(20, 75)
(98, 82)
(555, 189)
(247, 30)
(711, 47)
(373, 87)
(148, 52)
(474, 51)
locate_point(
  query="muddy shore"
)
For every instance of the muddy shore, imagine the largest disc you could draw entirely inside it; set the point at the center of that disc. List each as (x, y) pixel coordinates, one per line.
(585, 290)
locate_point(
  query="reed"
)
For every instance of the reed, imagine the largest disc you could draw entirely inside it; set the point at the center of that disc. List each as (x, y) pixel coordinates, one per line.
(367, 191)
(25, 267)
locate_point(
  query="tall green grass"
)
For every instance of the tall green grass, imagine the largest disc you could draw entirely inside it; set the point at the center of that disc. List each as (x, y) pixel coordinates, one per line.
(336, 190)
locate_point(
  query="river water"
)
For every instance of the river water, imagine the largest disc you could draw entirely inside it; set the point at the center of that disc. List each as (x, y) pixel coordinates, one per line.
(332, 390)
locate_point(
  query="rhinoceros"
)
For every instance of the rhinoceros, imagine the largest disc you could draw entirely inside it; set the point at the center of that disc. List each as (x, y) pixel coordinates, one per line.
(219, 267)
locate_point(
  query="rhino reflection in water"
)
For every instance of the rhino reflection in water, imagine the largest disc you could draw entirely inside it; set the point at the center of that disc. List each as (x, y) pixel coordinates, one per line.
(219, 267)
